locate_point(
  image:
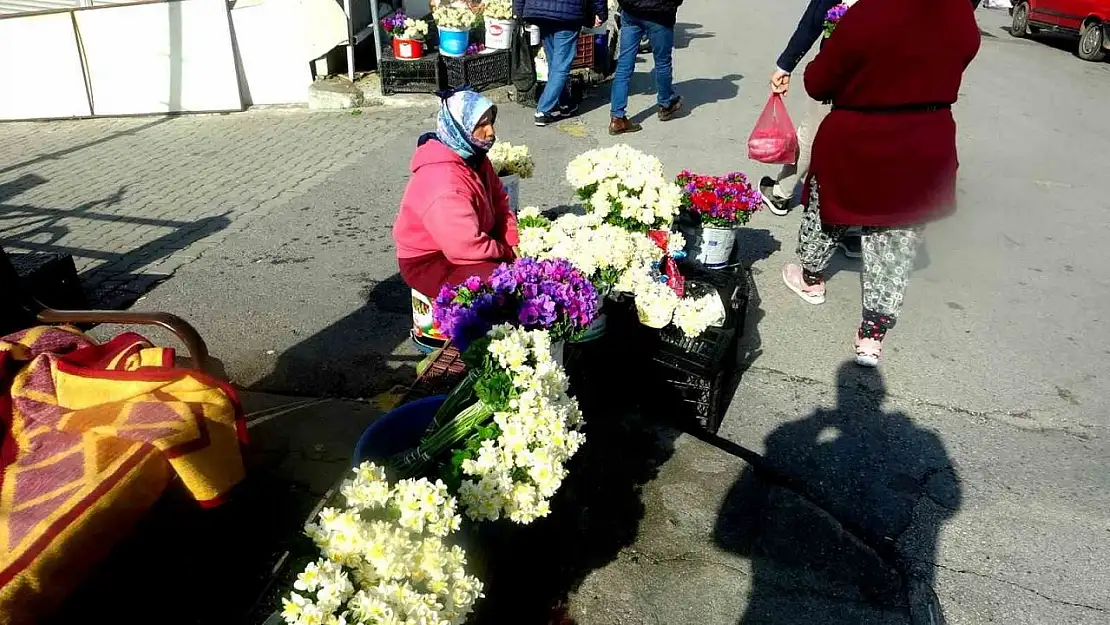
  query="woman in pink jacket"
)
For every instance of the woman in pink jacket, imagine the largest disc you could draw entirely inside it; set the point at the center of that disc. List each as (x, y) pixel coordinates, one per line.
(454, 220)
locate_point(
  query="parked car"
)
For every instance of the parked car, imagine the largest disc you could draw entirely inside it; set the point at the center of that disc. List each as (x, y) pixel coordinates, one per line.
(1089, 20)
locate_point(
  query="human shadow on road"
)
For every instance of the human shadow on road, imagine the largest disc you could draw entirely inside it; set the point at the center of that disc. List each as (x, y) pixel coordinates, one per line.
(695, 93)
(685, 34)
(832, 512)
(353, 357)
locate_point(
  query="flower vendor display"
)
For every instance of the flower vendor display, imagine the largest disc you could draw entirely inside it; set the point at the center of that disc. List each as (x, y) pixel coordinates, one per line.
(512, 163)
(454, 21)
(626, 187)
(503, 436)
(385, 557)
(719, 205)
(408, 35)
(499, 23)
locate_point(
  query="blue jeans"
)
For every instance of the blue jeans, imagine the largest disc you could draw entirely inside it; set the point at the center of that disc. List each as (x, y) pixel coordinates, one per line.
(662, 46)
(560, 44)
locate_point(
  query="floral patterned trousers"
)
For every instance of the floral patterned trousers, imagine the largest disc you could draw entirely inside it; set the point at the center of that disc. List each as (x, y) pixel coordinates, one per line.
(888, 257)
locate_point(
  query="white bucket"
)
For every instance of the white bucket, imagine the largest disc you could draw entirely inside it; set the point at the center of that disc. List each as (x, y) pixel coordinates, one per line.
(499, 33)
(512, 188)
(534, 35)
(712, 247)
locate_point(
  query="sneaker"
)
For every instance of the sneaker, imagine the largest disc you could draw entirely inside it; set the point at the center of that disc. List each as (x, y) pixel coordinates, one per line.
(644, 47)
(810, 293)
(622, 126)
(777, 205)
(852, 246)
(543, 119)
(667, 113)
(868, 351)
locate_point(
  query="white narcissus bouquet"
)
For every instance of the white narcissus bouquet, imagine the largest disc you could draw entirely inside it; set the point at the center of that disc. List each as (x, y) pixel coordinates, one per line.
(694, 315)
(415, 29)
(602, 251)
(499, 9)
(515, 472)
(508, 159)
(456, 15)
(385, 559)
(626, 187)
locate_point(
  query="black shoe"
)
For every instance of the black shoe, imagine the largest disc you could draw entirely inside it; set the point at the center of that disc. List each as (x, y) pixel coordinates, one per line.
(777, 205)
(671, 111)
(543, 119)
(852, 246)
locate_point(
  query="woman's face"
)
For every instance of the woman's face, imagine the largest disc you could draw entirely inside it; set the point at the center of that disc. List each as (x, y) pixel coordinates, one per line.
(484, 131)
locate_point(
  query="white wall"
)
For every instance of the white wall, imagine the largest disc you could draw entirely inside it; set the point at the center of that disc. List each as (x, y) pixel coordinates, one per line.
(167, 57)
(40, 68)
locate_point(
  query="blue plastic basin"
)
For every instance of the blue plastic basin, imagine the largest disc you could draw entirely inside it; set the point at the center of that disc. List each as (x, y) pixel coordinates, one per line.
(399, 430)
(453, 42)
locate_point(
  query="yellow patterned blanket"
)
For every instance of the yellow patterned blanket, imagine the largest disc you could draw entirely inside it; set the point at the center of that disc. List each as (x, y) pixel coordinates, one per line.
(91, 436)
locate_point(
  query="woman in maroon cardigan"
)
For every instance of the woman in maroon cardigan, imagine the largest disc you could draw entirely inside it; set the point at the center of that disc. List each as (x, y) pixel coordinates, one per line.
(885, 157)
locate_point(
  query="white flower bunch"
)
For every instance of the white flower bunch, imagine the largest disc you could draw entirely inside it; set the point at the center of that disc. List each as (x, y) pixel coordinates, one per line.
(517, 473)
(415, 29)
(625, 186)
(499, 9)
(457, 15)
(511, 159)
(384, 558)
(693, 316)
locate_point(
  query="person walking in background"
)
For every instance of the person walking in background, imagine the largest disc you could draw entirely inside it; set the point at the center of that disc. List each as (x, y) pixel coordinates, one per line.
(884, 159)
(654, 19)
(781, 193)
(560, 22)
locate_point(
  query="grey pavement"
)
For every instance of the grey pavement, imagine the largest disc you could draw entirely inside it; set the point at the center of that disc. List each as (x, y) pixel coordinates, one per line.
(135, 199)
(975, 461)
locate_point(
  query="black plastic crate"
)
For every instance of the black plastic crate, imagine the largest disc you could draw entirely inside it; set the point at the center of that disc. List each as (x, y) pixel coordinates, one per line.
(422, 75)
(696, 376)
(480, 71)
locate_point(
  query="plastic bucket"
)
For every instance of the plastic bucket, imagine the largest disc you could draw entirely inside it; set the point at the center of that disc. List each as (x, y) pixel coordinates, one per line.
(399, 430)
(453, 42)
(512, 188)
(534, 35)
(408, 48)
(499, 33)
(712, 247)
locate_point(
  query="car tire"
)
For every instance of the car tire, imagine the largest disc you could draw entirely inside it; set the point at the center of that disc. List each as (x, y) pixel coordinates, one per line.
(1020, 26)
(1091, 40)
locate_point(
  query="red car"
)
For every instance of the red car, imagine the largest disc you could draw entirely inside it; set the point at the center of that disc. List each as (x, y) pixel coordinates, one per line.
(1087, 19)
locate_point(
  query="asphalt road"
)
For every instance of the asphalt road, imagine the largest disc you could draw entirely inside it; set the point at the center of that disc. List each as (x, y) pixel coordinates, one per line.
(980, 451)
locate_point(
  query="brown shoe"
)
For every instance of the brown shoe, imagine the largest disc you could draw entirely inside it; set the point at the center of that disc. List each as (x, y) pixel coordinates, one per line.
(667, 113)
(621, 125)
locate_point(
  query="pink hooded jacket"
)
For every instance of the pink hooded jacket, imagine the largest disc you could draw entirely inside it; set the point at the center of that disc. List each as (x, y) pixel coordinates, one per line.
(447, 208)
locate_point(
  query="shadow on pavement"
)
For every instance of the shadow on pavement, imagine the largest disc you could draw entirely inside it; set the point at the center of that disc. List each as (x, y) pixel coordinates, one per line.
(695, 92)
(685, 34)
(353, 357)
(821, 515)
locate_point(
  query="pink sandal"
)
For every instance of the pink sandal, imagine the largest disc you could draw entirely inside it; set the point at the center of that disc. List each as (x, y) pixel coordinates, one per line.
(793, 278)
(868, 351)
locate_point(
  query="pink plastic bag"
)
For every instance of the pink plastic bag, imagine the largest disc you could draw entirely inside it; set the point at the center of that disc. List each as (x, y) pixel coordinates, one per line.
(773, 139)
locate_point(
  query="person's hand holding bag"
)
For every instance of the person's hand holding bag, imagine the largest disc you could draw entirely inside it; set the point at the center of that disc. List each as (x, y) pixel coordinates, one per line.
(773, 140)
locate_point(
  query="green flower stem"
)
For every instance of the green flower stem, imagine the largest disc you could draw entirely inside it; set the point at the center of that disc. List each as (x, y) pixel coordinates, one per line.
(416, 461)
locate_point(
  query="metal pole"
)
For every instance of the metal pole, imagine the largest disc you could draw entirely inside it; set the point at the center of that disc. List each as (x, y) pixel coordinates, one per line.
(350, 40)
(377, 33)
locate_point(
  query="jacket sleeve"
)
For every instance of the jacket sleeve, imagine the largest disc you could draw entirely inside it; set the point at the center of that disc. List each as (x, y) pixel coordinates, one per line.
(838, 60)
(809, 30)
(453, 224)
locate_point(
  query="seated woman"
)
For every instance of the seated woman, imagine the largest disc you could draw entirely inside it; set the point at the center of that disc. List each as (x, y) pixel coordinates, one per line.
(455, 220)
